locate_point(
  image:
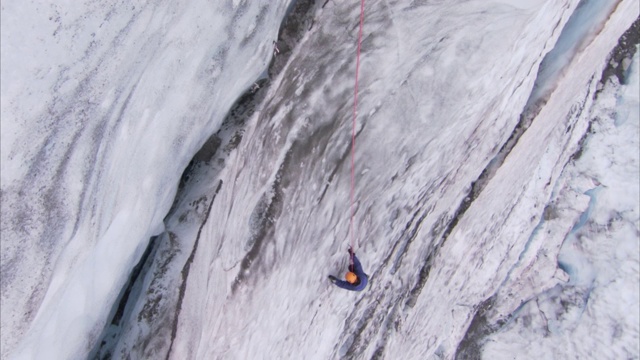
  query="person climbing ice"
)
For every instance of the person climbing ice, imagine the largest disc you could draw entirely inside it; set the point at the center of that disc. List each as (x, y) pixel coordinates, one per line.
(356, 279)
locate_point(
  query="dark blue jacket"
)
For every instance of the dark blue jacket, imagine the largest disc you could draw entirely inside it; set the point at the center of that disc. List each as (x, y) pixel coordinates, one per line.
(363, 278)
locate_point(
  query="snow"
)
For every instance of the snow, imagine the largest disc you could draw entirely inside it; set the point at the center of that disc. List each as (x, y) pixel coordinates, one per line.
(103, 106)
(581, 28)
(595, 313)
(408, 154)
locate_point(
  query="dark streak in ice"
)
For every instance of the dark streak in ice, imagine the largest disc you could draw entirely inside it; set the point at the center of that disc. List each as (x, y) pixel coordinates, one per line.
(625, 49)
(185, 271)
(470, 347)
(264, 217)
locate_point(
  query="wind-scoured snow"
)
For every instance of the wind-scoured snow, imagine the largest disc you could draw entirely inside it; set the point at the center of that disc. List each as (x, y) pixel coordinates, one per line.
(599, 302)
(103, 107)
(582, 27)
(428, 127)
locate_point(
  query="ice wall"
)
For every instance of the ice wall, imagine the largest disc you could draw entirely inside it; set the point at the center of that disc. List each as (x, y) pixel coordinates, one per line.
(593, 313)
(440, 96)
(103, 106)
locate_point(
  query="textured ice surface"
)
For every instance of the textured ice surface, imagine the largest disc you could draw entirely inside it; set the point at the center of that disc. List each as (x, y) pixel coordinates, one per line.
(104, 105)
(595, 313)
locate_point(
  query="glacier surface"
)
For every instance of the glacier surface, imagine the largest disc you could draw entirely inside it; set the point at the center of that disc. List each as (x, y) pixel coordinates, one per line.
(473, 212)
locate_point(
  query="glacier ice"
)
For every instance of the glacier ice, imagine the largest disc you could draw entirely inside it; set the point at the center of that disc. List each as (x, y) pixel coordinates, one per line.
(104, 106)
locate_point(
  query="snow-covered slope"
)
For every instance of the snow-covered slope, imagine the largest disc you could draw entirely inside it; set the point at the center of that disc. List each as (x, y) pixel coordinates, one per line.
(103, 106)
(457, 160)
(595, 314)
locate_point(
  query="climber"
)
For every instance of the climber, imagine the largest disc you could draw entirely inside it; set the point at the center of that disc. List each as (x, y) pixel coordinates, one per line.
(356, 279)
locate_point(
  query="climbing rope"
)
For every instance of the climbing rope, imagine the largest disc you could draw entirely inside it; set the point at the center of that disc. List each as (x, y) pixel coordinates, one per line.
(353, 132)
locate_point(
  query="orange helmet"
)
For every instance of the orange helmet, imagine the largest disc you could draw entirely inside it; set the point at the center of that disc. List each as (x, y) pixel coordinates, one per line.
(351, 277)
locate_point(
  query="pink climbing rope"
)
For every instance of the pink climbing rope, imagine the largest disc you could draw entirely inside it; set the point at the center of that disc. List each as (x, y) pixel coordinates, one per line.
(353, 132)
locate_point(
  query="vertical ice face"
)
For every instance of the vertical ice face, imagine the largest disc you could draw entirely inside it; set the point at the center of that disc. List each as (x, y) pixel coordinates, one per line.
(443, 87)
(103, 105)
(600, 254)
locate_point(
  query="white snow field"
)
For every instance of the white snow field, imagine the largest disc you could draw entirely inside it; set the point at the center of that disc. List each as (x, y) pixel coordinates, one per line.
(103, 106)
(600, 253)
(497, 200)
